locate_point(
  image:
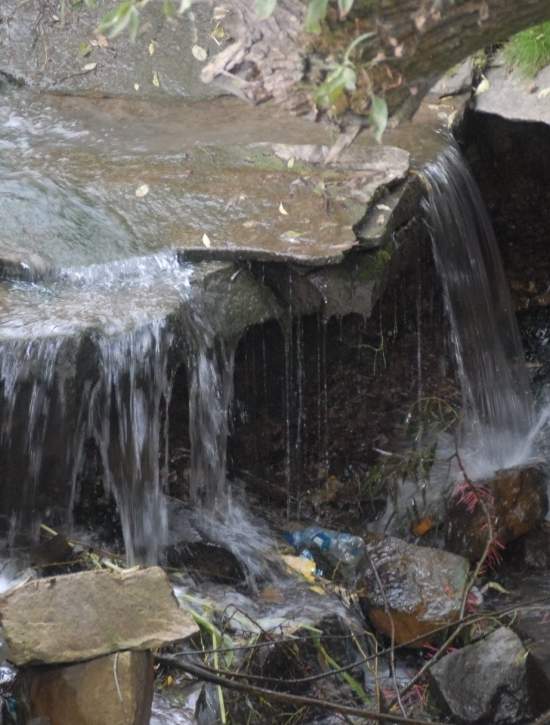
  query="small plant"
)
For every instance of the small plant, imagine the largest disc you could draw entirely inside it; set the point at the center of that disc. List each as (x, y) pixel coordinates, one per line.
(529, 51)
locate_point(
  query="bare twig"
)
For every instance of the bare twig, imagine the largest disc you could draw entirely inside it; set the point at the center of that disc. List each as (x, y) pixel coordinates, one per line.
(392, 632)
(469, 620)
(299, 700)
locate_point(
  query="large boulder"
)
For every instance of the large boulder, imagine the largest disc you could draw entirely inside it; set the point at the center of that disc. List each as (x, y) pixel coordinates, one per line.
(492, 682)
(116, 689)
(423, 587)
(81, 616)
(518, 501)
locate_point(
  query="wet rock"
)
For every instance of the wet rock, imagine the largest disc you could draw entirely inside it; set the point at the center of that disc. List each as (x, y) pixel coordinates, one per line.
(392, 209)
(81, 616)
(532, 626)
(423, 587)
(493, 681)
(23, 265)
(116, 689)
(207, 560)
(533, 550)
(510, 94)
(353, 286)
(519, 501)
(456, 81)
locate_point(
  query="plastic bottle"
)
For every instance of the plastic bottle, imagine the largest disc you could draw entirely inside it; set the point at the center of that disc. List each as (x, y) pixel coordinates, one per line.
(336, 554)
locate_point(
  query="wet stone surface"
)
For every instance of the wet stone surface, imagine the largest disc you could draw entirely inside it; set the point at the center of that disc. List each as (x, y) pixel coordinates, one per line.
(492, 681)
(423, 587)
(518, 502)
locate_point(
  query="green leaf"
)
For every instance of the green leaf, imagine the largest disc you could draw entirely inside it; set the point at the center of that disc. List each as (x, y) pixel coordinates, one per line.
(118, 19)
(342, 78)
(169, 9)
(378, 116)
(133, 24)
(344, 6)
(265, 8)
(316, 13)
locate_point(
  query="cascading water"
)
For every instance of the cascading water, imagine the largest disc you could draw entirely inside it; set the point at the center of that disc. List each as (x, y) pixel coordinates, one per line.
(74, 369)
(494, 381)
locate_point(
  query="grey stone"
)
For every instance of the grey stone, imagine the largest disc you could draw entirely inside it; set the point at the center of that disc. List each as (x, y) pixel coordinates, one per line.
(489, 682)
(513, 96)
(53, 52)
(81, 616)
(456, 81)
(116, 689)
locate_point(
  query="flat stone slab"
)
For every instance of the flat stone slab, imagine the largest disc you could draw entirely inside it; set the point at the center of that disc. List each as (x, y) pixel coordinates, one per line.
(513, 96)
(81, 616)
(211, 179)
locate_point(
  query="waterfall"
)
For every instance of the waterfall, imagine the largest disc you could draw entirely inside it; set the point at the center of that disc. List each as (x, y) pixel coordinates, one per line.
(92, 357)
(487, 347)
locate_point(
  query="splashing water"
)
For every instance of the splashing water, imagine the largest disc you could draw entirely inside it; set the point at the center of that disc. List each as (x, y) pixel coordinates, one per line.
(499, 412)
(92, 357)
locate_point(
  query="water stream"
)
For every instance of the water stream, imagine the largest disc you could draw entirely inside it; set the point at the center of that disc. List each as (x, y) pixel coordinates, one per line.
(497, 402)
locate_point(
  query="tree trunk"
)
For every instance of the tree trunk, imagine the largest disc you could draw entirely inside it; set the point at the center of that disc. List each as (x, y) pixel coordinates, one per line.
(415, 42)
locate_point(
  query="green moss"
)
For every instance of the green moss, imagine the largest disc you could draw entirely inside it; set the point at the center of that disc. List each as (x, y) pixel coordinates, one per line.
(529, 51)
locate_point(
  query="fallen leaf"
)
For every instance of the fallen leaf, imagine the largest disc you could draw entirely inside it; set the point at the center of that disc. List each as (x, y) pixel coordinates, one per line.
(199, 53)
(156, 80)
(152, 48)
(282, 210)
(422, 527)
(89, 67)
(142, 191)
(206, 241)
(301, 565)
(383, 207)
(85, 49)
(484, 86)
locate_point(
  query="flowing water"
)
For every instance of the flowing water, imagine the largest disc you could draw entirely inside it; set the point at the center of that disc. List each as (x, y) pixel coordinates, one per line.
(497, 402)
(90, 343)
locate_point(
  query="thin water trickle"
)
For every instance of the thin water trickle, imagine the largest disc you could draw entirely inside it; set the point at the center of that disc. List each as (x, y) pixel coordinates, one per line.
(211, 394)
(497, 400)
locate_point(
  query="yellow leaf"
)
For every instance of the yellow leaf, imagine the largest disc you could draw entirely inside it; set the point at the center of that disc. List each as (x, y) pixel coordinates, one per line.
(156, 80)
(301, 565)
(199, 53)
